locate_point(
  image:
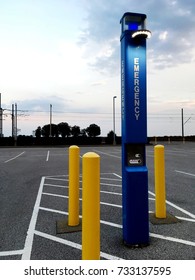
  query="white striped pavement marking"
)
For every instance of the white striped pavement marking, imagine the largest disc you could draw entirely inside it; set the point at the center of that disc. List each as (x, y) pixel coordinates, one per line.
(159, 236)
(65, 196)
(11, 253)
(185, 173)
(30, 233)
(14, 157)
(73, 244)
(47, 158)
(171, 204)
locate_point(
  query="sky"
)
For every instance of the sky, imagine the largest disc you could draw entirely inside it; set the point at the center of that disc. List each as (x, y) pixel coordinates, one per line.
(67, 53)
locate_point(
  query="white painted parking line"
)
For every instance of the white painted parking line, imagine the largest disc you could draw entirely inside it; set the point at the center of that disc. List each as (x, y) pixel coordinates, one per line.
(14, 157)
(186, 219)
(11, 253)
(56, 186)
(159, 236)
(171, 204)
(65, 196)
(112, 193)
(59, 240)
(112, 185)
(73, 244)
(181, 209)
(107, 154)
(53, 210)
(55, 195)
(66, 187)
(26, 253)
(55, 176)
(185, 173)
(117, 176)
(60, 179)
(178, 240)
(30, 233)
(47, 158)
(110, 179)
(56, 179)
(177, 207)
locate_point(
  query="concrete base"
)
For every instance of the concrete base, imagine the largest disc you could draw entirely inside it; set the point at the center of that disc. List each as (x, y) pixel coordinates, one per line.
(170, 219)
(63, 227)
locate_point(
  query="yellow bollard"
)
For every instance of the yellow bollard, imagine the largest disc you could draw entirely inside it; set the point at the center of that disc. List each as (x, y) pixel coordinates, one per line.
(73, 201)
(159, 170)
(91, 207)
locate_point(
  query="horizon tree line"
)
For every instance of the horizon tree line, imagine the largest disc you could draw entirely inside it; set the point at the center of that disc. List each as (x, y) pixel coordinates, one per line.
(63, 130)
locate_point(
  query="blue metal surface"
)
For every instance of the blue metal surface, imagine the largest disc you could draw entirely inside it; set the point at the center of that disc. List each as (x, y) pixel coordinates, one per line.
(134, 133)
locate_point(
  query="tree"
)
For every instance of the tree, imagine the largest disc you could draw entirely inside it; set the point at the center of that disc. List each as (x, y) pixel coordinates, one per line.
(93, 130)
(64, 129)
(75, 131)
(46, 130)
(38, 132)
(110, 135)
(83, 133)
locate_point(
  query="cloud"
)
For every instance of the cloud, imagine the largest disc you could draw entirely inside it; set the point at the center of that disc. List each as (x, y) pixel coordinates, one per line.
(171, 22)
(172, 42)
(42, 104)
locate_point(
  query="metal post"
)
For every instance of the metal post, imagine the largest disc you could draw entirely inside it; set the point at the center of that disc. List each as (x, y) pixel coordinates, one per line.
(91, 207)
(73, 197)
(159, 171)
(134, 129)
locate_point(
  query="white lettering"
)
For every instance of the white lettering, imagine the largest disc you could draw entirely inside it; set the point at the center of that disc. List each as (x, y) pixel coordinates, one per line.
(136, 60)
(137, 117)
(136, 89)
(136, 68)
(136, 75)
(136, 102)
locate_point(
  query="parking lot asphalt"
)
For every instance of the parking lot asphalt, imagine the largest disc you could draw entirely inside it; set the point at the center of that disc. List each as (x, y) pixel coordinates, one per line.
(34, 196)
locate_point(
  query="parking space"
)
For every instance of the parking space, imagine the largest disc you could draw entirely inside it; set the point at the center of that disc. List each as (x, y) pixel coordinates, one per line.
(34, 196)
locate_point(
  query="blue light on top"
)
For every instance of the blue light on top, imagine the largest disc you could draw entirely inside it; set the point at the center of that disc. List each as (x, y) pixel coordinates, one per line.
(133, 26)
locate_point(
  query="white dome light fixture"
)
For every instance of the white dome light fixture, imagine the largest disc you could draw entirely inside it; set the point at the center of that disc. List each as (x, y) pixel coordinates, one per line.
(142, 33)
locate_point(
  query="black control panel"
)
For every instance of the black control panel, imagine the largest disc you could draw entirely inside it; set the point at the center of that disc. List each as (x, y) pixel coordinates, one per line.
(135, 154)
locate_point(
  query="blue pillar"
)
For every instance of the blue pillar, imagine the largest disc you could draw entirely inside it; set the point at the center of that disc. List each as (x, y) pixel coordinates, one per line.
(134, 130)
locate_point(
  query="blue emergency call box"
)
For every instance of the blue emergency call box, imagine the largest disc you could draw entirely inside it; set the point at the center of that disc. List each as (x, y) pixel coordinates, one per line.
(134, 129)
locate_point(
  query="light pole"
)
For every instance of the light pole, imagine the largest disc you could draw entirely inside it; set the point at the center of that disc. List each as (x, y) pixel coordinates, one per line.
(114, 139)
(182, 124)
(50, 131)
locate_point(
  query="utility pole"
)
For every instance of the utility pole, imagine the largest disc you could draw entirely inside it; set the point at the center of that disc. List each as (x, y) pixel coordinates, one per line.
(15, 134)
